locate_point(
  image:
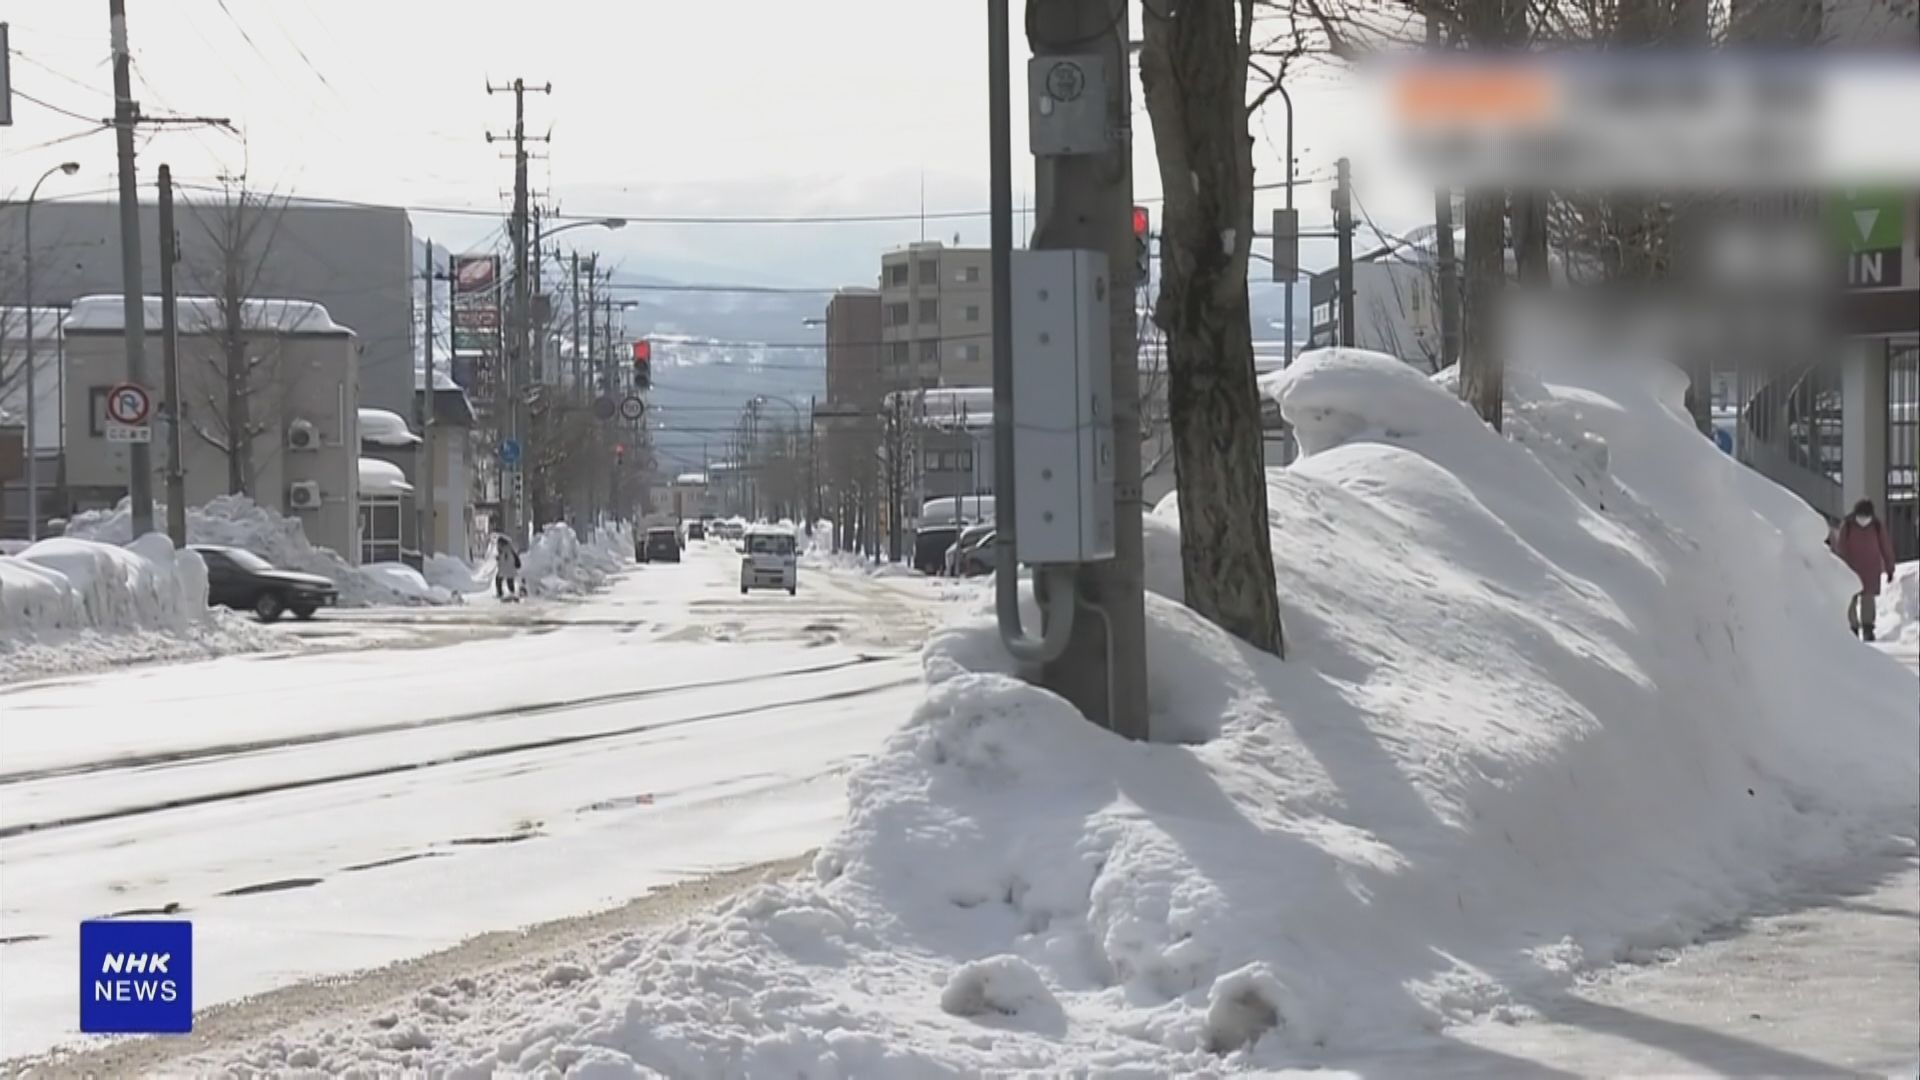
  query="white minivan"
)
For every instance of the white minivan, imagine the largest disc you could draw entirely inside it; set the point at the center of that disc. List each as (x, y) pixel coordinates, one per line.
(769, 559)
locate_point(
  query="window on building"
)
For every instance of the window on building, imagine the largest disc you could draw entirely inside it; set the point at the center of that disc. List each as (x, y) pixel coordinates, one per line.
(966, 352)
(900, 354)
(379, 529)
(897, 314)
(973, 312)
(897, 274)
(929, 311)
(929, 352)
(929, 272)
(967, 275)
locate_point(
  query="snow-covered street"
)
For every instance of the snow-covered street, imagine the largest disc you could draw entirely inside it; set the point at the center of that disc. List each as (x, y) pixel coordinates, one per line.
(321, 813)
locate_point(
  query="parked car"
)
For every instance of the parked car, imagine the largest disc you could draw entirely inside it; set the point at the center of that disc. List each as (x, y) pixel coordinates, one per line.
(930, 544)
(969, 537)
(769, 559)
(696, 530)
(976, 558)
(243, 581)
(663, 545)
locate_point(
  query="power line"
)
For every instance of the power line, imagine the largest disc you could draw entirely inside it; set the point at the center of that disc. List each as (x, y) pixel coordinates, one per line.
(68, 113)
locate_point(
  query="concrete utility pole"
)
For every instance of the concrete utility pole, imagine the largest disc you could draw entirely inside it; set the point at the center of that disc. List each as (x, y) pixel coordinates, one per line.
(520, 335)
(427, 506)
(1343, 226)
(1086, 201)
(577, 367)
(126, 114)
(170, 363)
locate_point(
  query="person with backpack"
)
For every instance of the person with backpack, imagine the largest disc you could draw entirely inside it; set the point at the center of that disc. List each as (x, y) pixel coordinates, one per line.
(506, 570)
(1863, 543)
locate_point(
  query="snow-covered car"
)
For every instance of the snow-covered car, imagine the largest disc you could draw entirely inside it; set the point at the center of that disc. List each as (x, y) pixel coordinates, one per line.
(769, 559)
(969, 538)
(243, 581)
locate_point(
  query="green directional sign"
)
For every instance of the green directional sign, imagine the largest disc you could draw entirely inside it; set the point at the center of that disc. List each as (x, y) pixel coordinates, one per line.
(1868, 220)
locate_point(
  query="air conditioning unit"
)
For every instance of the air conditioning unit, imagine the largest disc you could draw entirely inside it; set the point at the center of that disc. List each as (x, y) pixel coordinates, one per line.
(302, 436)
(303, 495)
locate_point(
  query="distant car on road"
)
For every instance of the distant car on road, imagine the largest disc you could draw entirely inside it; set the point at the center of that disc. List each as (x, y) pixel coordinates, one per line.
(663, 545)
(696, 530)
(769, 559)
(243, 581)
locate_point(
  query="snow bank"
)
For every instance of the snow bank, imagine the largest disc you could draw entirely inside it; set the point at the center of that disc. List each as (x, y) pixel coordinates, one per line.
(559, 562)
(1554, 700)
(451, 573)
(236, 521)
(1900, 606)
(408, 582)
(69, 605)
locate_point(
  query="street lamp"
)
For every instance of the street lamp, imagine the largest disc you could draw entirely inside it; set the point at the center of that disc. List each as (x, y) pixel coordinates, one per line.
(602, 223)
(32, 444)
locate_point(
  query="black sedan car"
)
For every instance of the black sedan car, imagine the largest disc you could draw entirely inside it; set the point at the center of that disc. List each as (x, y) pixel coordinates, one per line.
(661, 545)
(243, 581)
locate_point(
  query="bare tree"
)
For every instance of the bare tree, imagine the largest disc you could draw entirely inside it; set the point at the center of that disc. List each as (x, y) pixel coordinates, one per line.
(1193, 67)
(244, 356)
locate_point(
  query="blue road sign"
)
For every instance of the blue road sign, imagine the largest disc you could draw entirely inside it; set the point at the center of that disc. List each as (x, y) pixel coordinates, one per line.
(509, 452)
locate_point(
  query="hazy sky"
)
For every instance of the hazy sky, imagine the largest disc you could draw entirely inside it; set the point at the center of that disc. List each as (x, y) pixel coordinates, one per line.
(749, 107)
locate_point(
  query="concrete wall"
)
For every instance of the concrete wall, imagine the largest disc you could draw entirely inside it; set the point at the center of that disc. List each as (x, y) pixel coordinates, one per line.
(316, 379)
(357, 262)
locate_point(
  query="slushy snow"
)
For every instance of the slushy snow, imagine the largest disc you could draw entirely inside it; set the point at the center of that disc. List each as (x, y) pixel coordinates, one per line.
(69, 605)
(1554, 700)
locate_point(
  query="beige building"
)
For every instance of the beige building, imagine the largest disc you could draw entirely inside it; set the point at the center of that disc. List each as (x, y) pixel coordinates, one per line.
(936, 316)
(302, 425)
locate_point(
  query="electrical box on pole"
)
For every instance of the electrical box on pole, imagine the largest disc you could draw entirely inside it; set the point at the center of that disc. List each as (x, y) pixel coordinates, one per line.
(1067, 105)
(1063, 423)
(1286, 245)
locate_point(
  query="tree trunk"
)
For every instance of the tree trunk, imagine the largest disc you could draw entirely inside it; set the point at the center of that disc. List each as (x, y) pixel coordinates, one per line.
(1529, 208)
(1448, 271)
(1193, 70)
(1482, 384)
(239, 424)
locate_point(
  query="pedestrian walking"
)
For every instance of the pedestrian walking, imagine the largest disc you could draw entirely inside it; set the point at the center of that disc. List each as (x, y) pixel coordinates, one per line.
(1863, 543)
(506, 570)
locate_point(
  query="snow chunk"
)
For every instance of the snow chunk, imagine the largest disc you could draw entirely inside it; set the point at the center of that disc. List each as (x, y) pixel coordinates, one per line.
(384, 428)
(1247, 1003)
(1336, 396)
(382, 478)
(999, 985)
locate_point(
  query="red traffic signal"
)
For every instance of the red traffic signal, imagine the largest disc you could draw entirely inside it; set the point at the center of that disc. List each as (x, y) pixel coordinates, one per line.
(642, 352)
(1142, 257)
(1140, 222)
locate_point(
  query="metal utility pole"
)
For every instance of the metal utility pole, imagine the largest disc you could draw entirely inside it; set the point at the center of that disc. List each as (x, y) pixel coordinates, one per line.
(126, 114)
(1343, 225)
(1293, 272)
(520, 335)
(1086, 201)
(427, 506)
(170, 362)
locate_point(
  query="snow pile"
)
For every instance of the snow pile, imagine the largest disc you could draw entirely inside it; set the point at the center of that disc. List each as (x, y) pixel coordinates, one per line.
(68, 605)
(559, 562)
(408, 582)
(1553, 701)
(236, 521)
(1900, 606)
(853, 562)
(451, 573)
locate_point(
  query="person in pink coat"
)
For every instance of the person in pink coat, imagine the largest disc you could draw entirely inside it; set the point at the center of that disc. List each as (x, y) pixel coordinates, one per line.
(1863, 543)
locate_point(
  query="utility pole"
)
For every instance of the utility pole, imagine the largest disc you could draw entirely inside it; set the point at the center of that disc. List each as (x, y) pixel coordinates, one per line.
(170, 362)
(126, 114)
(1086, 201)
(576, 367)
(427, 508)
(520, 336)
(1343, 226)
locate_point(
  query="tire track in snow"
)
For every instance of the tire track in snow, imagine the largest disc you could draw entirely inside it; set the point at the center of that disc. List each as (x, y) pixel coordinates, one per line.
(509, 712)
(530, 746)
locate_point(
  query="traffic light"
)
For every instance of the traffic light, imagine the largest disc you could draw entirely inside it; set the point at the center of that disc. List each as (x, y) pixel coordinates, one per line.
(1142, 259)
(643, 364)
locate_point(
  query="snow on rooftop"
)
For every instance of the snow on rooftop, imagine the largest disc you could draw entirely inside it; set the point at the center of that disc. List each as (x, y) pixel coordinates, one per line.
(691, 479)
(382, 478)
(383, 428)
(198, 314)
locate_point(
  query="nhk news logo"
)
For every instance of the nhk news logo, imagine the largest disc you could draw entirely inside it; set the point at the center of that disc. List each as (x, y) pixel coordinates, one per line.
(136, 977)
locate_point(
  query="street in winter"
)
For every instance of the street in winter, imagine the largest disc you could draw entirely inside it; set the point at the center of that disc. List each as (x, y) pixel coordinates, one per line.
(1011, 539)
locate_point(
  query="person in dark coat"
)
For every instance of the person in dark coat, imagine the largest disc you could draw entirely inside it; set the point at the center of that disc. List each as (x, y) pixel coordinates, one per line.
(1863, 543)
(506, 569)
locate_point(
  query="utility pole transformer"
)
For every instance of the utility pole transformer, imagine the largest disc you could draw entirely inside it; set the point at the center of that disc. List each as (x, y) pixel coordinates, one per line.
(170, 363)
(1086, 202)
(126, 115)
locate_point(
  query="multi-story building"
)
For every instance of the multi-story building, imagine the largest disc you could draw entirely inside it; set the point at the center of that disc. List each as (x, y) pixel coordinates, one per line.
(936, 316)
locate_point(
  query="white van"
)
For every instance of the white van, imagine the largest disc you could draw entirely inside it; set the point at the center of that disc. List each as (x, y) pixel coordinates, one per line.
(769, 559)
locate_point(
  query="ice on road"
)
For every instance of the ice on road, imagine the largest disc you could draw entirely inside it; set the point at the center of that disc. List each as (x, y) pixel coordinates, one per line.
(320, 814)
